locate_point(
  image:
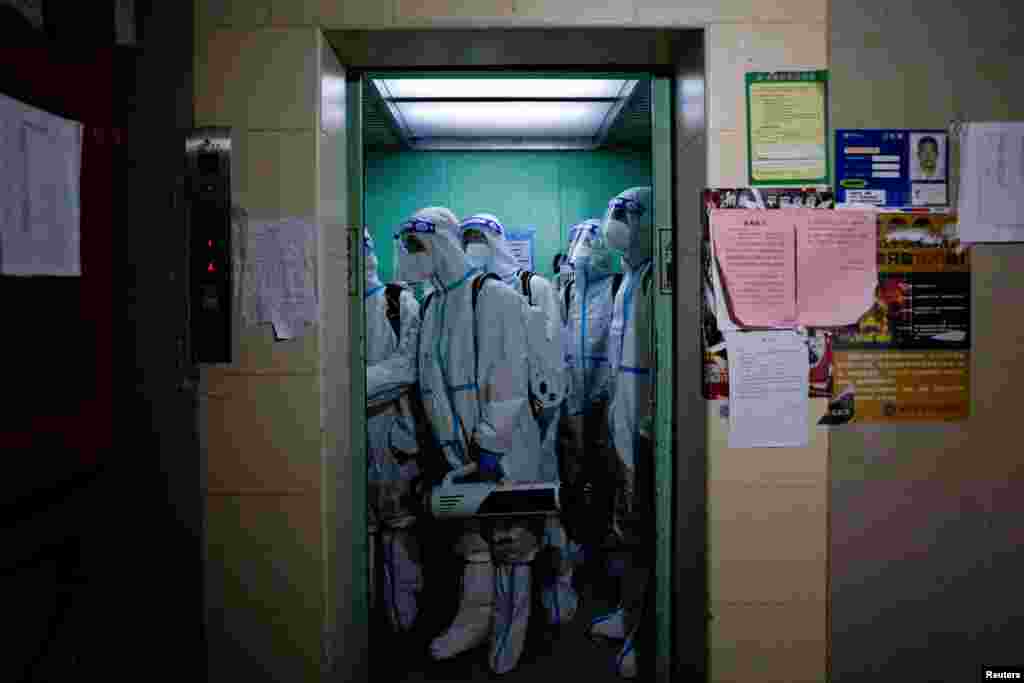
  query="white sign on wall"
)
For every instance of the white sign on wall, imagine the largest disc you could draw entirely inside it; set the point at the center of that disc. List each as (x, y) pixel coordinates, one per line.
(520, 243)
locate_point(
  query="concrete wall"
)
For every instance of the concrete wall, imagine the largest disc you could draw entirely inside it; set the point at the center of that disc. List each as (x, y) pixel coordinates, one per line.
(270, 448)
(926, 522)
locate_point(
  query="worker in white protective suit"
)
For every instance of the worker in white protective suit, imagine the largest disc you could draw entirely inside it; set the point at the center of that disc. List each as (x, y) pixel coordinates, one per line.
(484, 240)
(474, 384)
(392, 333)
(627, 228)
(587, 301)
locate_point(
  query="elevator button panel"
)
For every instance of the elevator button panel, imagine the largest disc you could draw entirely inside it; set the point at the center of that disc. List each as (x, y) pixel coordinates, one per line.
(208, 173)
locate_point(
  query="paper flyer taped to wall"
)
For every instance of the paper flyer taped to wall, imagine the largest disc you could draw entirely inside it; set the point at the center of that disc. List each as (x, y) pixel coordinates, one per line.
(40, 192)
(520, 243)
(768, 404)
(795, 267)
(991, 199)
(278, 275)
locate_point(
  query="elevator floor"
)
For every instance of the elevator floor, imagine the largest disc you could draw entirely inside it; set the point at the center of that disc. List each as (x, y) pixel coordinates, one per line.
(549, 651)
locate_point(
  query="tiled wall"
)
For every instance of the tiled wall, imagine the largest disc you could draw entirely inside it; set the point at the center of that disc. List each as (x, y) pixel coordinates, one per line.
(258, 66)
(262, 423)
(767, 508)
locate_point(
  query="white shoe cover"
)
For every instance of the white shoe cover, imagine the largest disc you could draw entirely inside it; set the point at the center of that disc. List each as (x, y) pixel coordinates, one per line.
(611, 626)
(511, 615)
(473, 622)
(559, 597)
(625, 661)
(560, 600)
(403, 578)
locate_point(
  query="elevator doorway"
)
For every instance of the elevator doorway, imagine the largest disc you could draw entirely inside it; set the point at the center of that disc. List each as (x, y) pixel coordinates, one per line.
(465, 173)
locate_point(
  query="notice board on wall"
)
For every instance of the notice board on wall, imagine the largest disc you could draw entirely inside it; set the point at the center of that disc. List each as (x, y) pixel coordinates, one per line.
(716, 359)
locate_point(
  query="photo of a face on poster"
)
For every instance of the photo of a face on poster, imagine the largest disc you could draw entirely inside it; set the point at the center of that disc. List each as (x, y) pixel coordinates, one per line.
(928, 156)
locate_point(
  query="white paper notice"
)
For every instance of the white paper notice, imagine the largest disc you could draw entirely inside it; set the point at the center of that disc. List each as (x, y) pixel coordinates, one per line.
(992, 182)
(40, 163)
(521, 246)
(277, 277)
(768, 389)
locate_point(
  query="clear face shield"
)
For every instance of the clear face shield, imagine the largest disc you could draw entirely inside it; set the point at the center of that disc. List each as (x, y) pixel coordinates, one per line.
(473, 236)
(621, 215)
(477, 248)
(412, 244)
(570, 254)
(414, 254)
(590, 253)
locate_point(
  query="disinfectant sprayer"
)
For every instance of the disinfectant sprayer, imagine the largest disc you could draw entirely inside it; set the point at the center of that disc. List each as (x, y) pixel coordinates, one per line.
(451, 500)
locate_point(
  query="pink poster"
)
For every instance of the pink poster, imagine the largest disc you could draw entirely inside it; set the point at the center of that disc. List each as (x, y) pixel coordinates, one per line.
(787, 267)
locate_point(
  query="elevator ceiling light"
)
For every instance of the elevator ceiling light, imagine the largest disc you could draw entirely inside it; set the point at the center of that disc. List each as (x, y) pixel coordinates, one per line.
(504, 119)
(509, 113)
(506, 88)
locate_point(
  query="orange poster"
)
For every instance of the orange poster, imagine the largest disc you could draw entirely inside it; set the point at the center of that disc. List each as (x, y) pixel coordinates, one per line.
(908, 358)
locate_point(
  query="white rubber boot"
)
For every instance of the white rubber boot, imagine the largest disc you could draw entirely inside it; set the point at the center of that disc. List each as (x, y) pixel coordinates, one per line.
(403, 577)
(473, 621)
(625, 661)
(611, 626)
(635, 606)
(511, 615)
(559, 596)
(560, 600)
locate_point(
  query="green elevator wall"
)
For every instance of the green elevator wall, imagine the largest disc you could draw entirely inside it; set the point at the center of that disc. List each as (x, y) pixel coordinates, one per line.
(549, 191)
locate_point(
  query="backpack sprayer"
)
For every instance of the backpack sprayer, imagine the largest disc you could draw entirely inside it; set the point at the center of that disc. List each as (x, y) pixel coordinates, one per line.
(451, 500)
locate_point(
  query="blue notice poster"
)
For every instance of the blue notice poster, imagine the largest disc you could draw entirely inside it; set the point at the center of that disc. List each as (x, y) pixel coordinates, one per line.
(893, 168)
(520, 243)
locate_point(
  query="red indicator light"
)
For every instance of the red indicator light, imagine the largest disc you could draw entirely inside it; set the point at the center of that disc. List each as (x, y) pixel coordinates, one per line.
(210, 268)
(209, 243)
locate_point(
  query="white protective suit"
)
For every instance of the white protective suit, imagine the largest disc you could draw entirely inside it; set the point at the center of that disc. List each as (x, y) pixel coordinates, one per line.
(628, 228)
(588, 315)
(474, 384)
(587, 309)
(547, 385)
(391, 445)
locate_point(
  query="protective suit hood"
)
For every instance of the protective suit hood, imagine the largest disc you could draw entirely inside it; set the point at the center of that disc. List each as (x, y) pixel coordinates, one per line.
(370, 254)
(503, 262)
(628, 225)
(437, 226)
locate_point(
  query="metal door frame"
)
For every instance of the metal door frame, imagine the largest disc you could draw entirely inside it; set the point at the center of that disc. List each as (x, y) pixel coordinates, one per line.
(675, 59)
